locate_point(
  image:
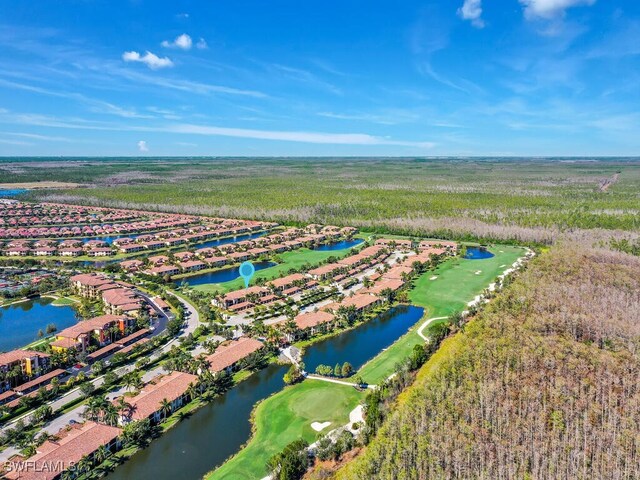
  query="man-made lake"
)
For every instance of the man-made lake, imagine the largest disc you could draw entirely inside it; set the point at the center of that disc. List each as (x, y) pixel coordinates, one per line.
(11, 192)
(215, 432)
(20, 322)
(225, 241)
(339, 245)
(478, 253)
(220, 276)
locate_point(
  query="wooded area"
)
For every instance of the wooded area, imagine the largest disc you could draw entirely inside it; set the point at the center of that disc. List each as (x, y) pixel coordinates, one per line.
(542, 384)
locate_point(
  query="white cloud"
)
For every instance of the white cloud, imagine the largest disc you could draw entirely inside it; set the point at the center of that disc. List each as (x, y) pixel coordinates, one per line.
(142, 146)
(151, 60)
(472, 10)
(202, 44)
(183, 42)
(293, 136)
(549, 9)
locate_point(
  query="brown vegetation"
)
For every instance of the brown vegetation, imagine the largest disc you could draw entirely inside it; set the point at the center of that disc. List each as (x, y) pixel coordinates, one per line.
(543, 384)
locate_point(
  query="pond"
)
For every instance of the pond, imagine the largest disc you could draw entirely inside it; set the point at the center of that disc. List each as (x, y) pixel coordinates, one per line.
(226, 240)
(220, 276)
(339, 245)
(359, 345)
(218, 430)
(11, 192)
(478, 253)
(20, 322)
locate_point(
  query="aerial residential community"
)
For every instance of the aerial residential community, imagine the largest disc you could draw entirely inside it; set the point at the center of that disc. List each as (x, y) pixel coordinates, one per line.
(146, 346)
(335, 240)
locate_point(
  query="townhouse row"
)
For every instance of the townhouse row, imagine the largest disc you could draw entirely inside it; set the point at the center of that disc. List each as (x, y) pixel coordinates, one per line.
(237, 252)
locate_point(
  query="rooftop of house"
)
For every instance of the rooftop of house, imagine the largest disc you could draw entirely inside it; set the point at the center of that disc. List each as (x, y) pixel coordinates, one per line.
(19, 355)
(312, 319)
(89, 325)
(169, 387)
(70, 447)
(228, 354)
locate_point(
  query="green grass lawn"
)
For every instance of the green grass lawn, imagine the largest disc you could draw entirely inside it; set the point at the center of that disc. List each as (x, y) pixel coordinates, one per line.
(457, 284)
(64, 301)
(294, 259)
(286, 417)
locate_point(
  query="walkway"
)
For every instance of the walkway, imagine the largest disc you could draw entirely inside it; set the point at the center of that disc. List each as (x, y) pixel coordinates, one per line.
(334, 380)
(426, 324)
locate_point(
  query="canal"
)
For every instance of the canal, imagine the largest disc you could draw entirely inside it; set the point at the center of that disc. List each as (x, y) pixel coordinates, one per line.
(341, 245)
(20, 322)
(217, 431)
(220, 276)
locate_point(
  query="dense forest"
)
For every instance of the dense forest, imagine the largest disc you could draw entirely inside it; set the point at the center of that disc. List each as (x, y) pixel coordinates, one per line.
(542, 384)
(521, 199)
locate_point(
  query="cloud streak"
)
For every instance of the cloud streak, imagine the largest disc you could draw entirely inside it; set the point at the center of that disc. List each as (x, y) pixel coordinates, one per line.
(151, 60)
(550, 9)
(295, 136)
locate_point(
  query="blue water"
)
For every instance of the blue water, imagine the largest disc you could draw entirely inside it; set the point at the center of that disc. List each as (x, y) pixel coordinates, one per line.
(361, 344)
(224, 241)
(478, 253)
(340, 245)
(7, 193)
(212, 243)
(219, 429)
(20, 322)
(220, 276)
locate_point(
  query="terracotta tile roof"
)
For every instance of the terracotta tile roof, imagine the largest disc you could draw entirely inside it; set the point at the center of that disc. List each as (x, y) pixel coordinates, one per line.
(90, 279)
(227, 355)
(68, 450)
(134, 336)
(170, 387)
(238, 294)
(40, 380)
(119, 296)
(288, 280)
(396, 272)
(312, 319)
(393, 284)
(325, 269)
(18, 355)
(360, 301)
(86, 326)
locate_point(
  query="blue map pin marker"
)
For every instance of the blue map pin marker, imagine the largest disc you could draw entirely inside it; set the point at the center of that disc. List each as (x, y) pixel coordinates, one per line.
(246, 271)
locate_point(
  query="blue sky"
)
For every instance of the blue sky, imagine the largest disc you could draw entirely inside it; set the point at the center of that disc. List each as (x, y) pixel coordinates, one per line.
(447, 77)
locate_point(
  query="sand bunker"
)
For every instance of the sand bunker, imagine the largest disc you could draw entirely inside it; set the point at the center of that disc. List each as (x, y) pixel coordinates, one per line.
(317, 426)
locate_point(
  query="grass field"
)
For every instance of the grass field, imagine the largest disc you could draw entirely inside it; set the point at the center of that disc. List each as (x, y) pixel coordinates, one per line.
(457, 284)
(289, 260)
(459, 196)
(286, 417)
(64, 301)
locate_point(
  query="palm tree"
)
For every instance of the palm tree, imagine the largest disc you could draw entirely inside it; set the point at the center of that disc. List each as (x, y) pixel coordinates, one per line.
(101, 454)
(165, 407)
(110, 415)
(83, 464)
(123, 406)
(91, 411)
(132, 380)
